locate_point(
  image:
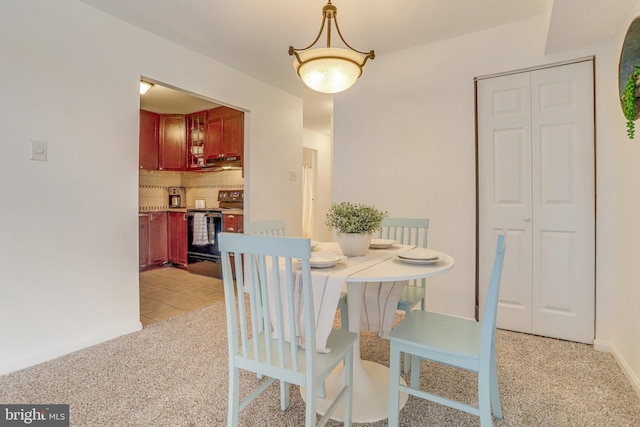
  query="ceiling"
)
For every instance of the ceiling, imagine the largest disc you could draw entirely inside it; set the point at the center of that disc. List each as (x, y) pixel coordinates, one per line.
(253, 36)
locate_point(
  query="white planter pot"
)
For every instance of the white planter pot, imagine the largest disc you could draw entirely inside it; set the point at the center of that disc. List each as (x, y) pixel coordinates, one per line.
(353, 244)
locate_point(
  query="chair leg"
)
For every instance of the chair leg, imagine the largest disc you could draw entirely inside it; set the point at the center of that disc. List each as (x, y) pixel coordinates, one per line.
(415, 372)
(495, 394)
(322, 393)
(234, 396)
(344, 314)
(284, 395)
(348, 381)
(484, 397)
(405, 363)
(310, 413)
(394, 391)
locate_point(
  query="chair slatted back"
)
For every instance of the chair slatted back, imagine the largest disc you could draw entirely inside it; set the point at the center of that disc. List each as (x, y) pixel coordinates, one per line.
(407, 231)
(264, 328)
(276, 227)
(490, 309)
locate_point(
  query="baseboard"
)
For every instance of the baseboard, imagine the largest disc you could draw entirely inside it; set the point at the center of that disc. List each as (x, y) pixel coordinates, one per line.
(53, 353)
(604, 346)
(626, 369)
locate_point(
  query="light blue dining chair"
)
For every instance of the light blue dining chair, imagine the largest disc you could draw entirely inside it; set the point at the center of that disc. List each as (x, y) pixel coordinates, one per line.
(455, 341)
(406, 231)
(274, 227)
(258, 325)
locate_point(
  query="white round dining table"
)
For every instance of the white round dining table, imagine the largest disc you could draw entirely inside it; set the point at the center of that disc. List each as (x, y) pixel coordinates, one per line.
(370, 379)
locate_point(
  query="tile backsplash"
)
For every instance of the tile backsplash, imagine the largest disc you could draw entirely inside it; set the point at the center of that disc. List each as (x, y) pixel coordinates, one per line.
(153, 187)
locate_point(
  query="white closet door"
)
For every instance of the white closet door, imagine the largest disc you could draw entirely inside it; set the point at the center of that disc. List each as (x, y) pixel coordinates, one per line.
(541, 171)
(504, 162)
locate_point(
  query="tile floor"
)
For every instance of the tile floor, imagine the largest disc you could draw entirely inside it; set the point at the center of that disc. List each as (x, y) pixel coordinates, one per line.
(169, 291)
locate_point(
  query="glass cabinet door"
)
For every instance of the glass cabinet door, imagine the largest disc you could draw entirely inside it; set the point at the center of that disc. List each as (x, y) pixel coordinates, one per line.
(195, 139)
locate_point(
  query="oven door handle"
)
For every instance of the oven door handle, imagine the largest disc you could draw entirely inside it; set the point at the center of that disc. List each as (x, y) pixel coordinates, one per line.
(206, 215)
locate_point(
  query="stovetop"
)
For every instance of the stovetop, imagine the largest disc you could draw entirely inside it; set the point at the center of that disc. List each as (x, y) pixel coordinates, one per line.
(231, 199)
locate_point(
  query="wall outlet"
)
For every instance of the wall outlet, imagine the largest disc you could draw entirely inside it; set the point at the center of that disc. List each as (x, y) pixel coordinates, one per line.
(39, 150)
(292, 176)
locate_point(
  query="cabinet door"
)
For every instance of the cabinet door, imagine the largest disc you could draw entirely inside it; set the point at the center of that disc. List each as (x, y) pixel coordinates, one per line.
(224, 132)
(232, 223)
(177, 238)
(233, 134)
(213, 138)
(149, 140)
(143, 240)
(195, 127)
(158, 253)
(172, 143)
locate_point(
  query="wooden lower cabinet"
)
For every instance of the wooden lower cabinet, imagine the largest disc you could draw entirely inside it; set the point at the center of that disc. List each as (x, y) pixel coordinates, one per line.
(152, 228)
(143, 240)
(158, 253)
(177, 238)
(233, 223)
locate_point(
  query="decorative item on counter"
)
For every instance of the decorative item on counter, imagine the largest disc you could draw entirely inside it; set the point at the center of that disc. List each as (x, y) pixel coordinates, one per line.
(354, 223)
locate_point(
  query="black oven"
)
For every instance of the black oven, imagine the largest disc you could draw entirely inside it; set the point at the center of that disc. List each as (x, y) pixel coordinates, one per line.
(203, 255)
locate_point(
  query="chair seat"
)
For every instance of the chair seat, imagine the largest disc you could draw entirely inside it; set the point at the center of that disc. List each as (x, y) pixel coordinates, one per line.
(439, 333)
(410, 297)
(339, 341)
(454, 341)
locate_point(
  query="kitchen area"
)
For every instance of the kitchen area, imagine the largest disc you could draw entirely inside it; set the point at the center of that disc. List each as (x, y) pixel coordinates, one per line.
(191, 187)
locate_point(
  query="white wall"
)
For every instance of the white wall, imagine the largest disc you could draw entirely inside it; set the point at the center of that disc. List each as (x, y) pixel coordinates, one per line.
(69, 247)
(404, 140)
(626, 338)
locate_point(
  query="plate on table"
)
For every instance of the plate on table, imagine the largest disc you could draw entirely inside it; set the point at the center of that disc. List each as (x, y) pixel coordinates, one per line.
(418, 261)
(419, 256)
(324, 261)
(381, 243)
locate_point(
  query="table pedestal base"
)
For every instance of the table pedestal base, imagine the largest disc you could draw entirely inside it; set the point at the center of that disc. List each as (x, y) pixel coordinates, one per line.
(370, 392)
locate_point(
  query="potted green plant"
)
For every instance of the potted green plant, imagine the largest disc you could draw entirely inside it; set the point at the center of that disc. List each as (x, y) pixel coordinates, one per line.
(629, 96)
(354, 223)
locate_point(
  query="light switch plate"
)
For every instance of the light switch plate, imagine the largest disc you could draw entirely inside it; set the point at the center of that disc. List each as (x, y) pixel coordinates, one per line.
(292, 176)
(39, 150)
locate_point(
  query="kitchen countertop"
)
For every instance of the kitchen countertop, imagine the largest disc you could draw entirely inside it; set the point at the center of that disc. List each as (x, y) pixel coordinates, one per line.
(145, 209)
(225, 211)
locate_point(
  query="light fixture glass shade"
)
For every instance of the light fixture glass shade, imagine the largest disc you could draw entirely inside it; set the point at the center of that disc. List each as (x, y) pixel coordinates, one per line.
(329, 69)
(144, 87)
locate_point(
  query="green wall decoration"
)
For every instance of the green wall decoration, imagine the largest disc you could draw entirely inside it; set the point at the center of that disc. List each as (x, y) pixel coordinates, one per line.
(629, 72)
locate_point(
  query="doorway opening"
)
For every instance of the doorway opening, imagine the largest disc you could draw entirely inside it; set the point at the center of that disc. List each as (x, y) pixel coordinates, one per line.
(175, 126)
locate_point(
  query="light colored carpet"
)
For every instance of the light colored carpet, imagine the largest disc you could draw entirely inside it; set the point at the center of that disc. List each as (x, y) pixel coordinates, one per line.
(174, 373)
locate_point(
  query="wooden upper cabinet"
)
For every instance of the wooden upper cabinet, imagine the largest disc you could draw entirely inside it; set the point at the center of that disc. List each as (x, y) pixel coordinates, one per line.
(149, 139)
(172, 143)
(213, 139)
(233, 135)
(224, 132)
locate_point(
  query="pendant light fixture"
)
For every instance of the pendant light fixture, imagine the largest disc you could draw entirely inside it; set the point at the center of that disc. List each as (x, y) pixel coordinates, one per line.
(329, 69)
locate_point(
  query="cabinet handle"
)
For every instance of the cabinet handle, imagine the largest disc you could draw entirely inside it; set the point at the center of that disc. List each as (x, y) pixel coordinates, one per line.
(527, 219)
